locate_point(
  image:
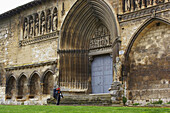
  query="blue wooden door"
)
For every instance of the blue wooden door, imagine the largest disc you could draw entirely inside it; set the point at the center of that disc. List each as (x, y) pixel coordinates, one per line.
(102, 74)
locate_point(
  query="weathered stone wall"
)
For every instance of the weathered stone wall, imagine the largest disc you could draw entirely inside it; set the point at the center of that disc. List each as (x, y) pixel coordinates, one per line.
(2, 95)
(149, 66)
(2, 83)
(12, 54)
(148, 78)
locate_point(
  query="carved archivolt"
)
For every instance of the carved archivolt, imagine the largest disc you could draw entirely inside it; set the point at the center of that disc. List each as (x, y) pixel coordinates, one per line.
(40, 23)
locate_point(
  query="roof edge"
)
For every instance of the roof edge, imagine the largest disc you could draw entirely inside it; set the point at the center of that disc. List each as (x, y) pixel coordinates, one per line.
(21, 8)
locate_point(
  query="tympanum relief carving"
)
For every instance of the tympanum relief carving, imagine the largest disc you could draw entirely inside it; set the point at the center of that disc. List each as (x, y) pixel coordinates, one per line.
(100, 40)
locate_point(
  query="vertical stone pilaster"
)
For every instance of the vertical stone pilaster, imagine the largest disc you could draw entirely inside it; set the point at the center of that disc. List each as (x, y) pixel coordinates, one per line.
(2, 94)
(2, 83)
(116, 92)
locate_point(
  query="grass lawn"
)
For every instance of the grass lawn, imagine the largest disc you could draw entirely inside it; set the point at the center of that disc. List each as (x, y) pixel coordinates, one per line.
(79, 109)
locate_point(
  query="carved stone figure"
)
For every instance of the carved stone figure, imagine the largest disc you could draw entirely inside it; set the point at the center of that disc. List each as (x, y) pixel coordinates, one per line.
(127, 5)
(55, 20)
(25, 28)
(149, 2)
(31, 26)
(137, 4)
(49, 21)
(43, 23)
(36, 25)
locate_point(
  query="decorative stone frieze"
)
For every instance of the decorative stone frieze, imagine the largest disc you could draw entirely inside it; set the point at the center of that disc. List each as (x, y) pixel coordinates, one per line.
(134, 5)
(150, 11)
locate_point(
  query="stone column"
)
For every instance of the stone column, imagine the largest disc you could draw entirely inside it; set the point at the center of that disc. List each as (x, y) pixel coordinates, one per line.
(41, 90)
(27, 92)
(89, 80)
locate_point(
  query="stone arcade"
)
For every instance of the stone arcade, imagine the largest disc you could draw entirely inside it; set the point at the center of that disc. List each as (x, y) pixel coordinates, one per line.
(90, 48)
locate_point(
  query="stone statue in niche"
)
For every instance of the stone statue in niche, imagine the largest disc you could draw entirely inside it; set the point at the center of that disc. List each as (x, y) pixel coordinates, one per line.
(31, 26)
(55, 19)
(36, 33)
(43, 23)
(127, 5)
(25, 30)
(48, 21)
(149, 2)
(138, 4)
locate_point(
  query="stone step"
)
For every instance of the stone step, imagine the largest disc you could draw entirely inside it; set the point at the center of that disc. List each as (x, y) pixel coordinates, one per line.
(84, 100)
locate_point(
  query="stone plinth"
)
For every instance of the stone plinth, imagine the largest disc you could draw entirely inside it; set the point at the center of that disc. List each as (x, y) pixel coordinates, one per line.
(116, 92)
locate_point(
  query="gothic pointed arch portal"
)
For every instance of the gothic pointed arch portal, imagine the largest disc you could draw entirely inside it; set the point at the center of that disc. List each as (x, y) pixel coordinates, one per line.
(78, 43)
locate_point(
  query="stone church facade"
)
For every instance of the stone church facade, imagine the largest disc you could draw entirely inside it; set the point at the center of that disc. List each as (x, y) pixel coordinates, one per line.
(87, 47)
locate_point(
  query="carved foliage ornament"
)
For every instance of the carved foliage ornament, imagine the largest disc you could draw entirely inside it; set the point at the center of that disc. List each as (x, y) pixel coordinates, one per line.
(40, 23)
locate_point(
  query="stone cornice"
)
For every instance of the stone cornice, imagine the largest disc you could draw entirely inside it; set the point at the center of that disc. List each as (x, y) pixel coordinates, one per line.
(72, 51)
(31, 65)
(150, 11)
(39, 39)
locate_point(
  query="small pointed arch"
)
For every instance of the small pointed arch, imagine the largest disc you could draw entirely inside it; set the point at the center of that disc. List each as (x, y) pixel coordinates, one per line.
(10, 86)
(48, 81)
(34, 84)
(9, 77)
(148, 23)
(21, 75)
(55, 11)
(33, 73)
(22, 83)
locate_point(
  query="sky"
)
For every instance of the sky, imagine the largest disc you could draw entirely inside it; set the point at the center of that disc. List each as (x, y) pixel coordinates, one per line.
(6, 5)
